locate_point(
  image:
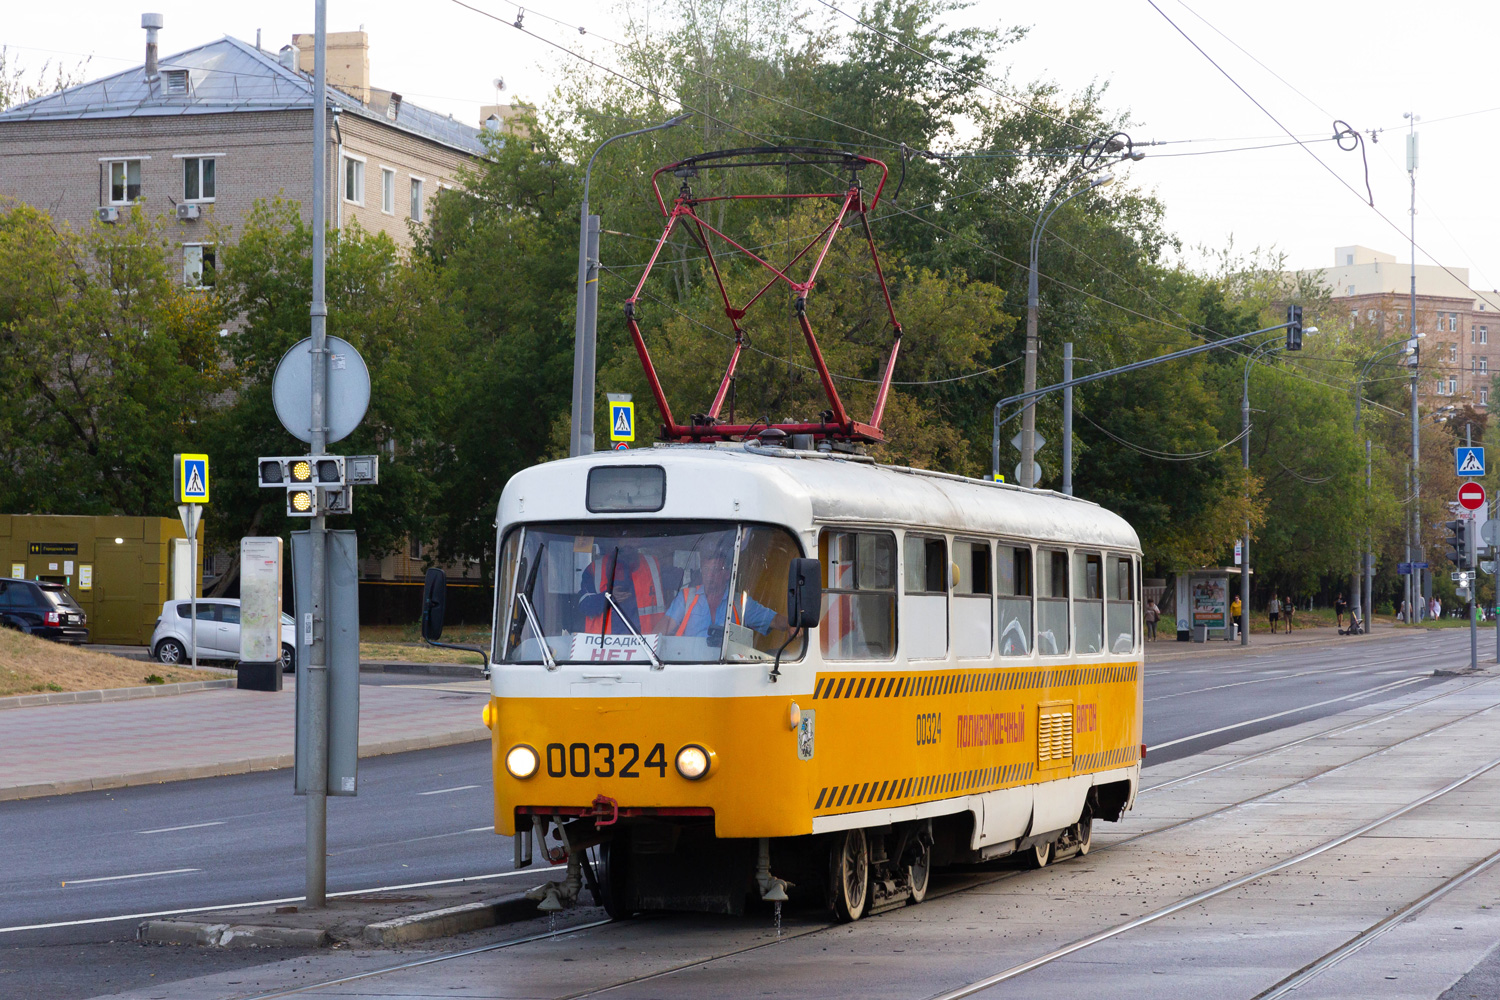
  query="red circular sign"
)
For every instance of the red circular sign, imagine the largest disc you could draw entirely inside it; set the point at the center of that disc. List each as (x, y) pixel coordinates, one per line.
(1471, 496)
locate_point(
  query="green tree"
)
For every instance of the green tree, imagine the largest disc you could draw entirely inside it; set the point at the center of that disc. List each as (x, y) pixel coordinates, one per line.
(106, 366)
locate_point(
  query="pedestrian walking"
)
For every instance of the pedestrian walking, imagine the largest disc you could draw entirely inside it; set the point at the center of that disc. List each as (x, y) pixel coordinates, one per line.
(1234, 609)
(1437, 608)
(1340, 606)
(1152, 614)
(1273, 609)
(1288, 608)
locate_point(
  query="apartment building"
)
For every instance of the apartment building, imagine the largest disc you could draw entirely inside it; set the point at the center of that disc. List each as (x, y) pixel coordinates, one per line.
(202, 134)
(1459, 357)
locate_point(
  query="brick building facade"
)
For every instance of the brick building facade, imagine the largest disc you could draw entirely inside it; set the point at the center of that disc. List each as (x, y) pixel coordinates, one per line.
(1461, 350)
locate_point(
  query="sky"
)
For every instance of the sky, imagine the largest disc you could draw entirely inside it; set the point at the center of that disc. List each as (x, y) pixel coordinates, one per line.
(1365, 64)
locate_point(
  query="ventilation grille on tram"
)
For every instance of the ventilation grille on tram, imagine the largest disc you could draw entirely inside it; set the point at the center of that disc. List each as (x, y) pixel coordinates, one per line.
(1054, 735)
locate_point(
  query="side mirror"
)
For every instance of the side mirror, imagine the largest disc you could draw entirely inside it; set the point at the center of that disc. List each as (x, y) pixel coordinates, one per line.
(434, 602)
(804, 594)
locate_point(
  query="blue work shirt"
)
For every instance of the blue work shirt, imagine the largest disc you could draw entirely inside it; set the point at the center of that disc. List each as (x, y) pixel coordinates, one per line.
(702, 617)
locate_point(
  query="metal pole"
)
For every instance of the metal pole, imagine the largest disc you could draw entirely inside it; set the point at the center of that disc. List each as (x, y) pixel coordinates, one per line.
(590, 337)
(1415, 544)
(317, 661)
(1369, 569)
(1470, 550)
(1028, 416)
(1067, 442)
(1245, 542)
(586, 309)
(1357, 584)
(193, 577)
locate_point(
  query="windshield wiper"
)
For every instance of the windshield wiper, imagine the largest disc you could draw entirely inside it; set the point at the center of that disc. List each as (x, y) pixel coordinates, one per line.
(655, 663)
(537, 628)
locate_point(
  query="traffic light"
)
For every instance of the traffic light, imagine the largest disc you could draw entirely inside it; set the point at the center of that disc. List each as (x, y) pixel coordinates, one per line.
(317, 484)
(1294, 328)
(1458, 543)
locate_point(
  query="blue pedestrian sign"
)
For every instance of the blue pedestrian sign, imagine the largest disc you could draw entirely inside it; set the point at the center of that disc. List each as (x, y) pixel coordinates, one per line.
(192, 478)
(1469, 461)
(621, 420)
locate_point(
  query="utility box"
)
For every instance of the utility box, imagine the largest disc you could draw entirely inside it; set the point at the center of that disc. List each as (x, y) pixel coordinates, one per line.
(119, 569)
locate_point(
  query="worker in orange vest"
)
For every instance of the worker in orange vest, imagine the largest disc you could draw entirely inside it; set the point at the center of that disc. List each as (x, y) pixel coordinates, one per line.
(636, 589)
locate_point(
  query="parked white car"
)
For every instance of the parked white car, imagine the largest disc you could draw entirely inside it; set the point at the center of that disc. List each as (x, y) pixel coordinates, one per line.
(218, 633)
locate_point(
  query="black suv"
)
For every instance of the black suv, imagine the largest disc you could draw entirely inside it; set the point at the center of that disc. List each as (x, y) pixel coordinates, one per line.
(41, 609)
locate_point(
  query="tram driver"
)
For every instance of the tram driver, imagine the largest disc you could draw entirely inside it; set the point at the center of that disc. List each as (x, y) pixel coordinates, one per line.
(699, 610)
(633, 580)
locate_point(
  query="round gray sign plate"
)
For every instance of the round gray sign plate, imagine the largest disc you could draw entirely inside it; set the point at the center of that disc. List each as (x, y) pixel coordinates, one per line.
(1490, 532)
(348, 390)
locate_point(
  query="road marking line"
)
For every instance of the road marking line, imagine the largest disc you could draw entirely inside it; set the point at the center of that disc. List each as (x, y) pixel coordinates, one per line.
(445, 791)
(190, 826)
(117, 878)
(1290, 711)
(265, 902)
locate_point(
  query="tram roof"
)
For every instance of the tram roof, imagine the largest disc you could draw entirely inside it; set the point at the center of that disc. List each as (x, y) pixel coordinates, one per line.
(800, 488)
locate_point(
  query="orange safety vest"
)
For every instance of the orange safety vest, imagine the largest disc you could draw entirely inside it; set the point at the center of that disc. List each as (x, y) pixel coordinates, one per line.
(647, 582)
(687, 612)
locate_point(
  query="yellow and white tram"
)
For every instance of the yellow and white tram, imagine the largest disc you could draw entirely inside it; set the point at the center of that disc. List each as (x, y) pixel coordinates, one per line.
(972, 687)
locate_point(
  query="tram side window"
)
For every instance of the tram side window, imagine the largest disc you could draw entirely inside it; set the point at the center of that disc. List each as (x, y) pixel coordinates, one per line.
(1013, 571)
(924, 598)
(859, 595)
(1088, 601)
(765, 556)
(1052, 602)
(971, 598)
(1119, 595)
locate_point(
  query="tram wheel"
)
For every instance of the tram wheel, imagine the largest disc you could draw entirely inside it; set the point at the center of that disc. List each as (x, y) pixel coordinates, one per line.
(1037, 856)
(849, 875)
(614, 881)
(1085, 830)
(918, 874)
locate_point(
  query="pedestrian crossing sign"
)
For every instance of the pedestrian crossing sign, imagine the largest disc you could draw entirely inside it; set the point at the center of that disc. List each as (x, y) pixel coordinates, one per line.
(621, 420)
(192, 478)
(1469, 461)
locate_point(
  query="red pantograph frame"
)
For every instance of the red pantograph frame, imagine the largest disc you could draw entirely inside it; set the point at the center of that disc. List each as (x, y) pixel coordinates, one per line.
(835, 422)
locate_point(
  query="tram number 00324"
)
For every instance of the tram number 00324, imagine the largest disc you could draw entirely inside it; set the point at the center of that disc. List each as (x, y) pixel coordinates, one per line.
(929, 728)
(604, 760)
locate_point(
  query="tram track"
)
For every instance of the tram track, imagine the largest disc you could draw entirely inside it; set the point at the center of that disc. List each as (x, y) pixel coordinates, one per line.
(1073, 947)
(970, 884)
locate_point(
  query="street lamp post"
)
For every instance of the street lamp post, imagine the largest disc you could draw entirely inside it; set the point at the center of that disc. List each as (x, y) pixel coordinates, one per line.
(1364, 584)
(1028, 416)
(1245, 461)
(581, 433)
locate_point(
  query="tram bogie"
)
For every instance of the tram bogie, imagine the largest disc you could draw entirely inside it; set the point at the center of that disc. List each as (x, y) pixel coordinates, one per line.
(966, 687)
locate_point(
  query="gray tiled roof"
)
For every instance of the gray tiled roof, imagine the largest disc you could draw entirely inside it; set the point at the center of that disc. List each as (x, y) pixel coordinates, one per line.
(226, 76)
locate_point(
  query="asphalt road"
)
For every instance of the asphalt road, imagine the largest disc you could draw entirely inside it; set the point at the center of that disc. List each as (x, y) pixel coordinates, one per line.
(422, 816)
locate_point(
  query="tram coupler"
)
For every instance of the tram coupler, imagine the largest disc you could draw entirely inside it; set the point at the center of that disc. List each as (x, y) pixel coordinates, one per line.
(554, 896)
(772, 889)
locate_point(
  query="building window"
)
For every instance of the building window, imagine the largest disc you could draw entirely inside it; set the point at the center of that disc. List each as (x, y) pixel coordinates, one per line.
(1441, 385)
(388, 190)
(1484, 335)
(1351, 290)
(1484, 364)
(124, 181)
(176, 81)
(354, 181)
(1484, 397)
(1453, 387)
(1453, 354)
(416, 199)
(1401, 320)
(1452, 322)
(199, 265)
(198, 178)
(416, 549)
(1349, 259)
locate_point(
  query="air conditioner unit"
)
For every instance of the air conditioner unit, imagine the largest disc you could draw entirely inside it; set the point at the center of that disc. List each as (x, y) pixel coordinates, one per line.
(188, 211)
(109, 214)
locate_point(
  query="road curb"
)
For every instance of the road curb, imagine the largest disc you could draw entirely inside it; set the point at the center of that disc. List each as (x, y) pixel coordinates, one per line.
(244, 766)
(230, 935)
(110, 694)
(450, 920)
(432, 669)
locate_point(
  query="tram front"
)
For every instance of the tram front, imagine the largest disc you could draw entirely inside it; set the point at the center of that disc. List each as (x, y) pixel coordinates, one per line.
(636, 703)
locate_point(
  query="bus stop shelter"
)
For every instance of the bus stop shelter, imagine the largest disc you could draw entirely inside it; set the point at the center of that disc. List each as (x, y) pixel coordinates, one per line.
(1202, 603)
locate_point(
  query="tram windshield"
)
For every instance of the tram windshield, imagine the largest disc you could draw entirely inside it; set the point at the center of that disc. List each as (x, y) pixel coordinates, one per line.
(634, 591)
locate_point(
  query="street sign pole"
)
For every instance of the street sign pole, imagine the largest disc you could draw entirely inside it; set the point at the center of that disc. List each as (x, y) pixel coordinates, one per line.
(190, 512)
(317, 661)
(1469, 462)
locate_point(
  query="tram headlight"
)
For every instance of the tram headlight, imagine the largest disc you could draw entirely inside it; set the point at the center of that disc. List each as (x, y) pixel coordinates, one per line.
(521, 761)
(694, 762)
(487, 715)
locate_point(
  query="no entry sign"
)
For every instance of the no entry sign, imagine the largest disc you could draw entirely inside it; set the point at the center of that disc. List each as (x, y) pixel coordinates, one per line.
(1471, 496)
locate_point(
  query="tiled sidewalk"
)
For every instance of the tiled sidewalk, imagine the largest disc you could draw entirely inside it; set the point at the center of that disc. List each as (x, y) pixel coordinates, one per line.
(68, 748)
